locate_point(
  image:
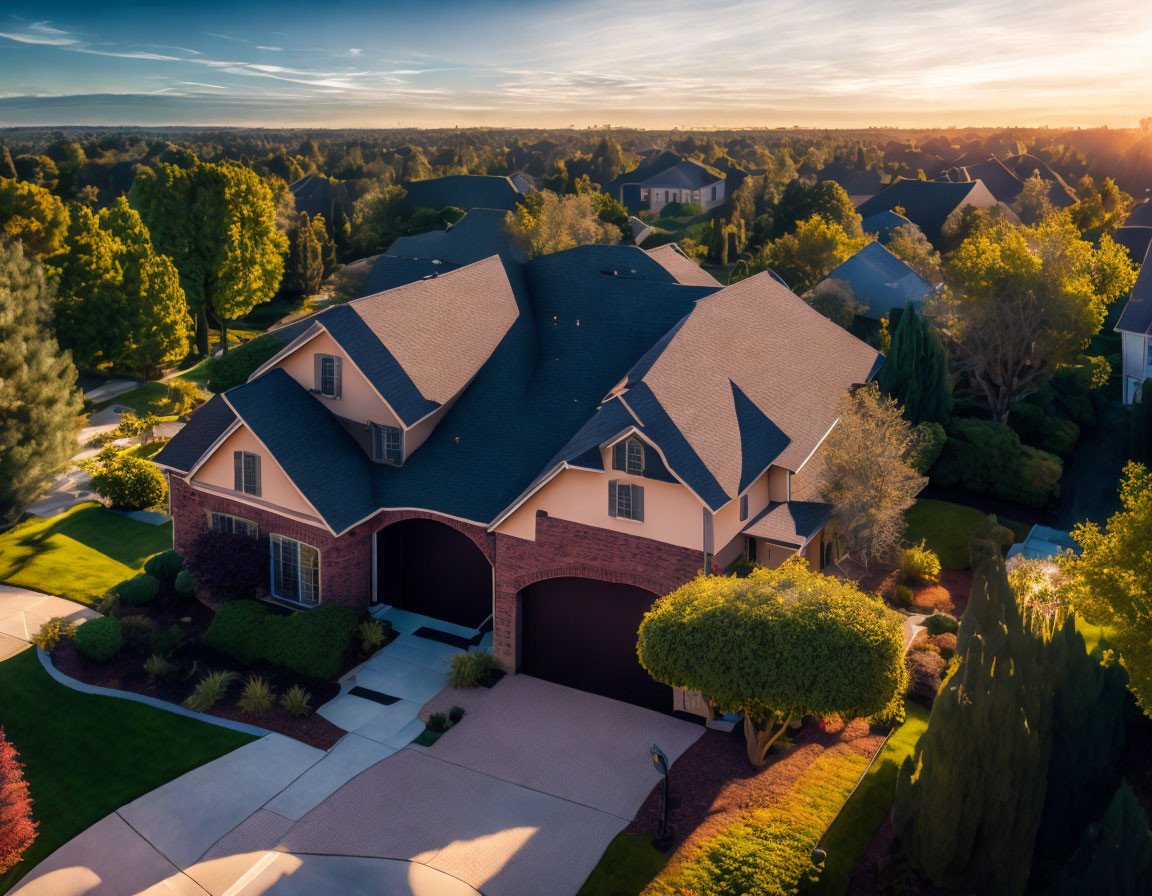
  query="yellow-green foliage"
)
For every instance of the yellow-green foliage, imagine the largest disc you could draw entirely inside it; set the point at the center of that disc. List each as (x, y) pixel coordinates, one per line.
(919, 564)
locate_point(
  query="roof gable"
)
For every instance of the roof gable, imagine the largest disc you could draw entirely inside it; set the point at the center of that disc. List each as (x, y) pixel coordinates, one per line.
(880, 280)
(929, 203)
(205, 426)
(1137, 314)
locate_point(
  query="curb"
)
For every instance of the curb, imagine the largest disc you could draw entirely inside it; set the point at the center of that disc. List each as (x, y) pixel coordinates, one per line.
(46, 662)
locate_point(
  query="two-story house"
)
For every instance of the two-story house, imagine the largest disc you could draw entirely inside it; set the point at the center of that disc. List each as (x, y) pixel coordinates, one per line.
(666, 177)
(537, 447)
(1135, 329)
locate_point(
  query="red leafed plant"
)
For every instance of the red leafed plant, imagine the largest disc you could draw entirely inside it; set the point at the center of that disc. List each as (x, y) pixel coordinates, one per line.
(17, 829)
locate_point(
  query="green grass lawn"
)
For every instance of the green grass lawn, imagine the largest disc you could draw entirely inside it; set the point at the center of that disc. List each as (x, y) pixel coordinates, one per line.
(79, 554)
(946, 529)
(627, 867)
(86, 756)
(145, 398)
(862, 815)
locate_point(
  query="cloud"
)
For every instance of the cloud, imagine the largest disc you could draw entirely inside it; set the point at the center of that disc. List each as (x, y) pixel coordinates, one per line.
(43, 34)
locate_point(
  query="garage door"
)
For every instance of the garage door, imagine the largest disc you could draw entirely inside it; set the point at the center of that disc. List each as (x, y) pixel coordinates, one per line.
(582, 633)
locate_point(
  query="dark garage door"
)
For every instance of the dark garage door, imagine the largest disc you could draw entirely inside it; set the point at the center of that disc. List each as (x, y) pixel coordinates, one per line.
(582, 633)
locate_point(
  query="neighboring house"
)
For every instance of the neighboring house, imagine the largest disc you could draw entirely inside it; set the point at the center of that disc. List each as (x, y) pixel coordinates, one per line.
(1135, 329)
(1041, 543)
(666, 177)
(927, 204)
(539, 447)
(859, 185)
(1025, 166)
(882, 224)
(1141, 215)
(1001, 182)
(881, 281)
(1135, 239)
(464, 191)
(522, 181)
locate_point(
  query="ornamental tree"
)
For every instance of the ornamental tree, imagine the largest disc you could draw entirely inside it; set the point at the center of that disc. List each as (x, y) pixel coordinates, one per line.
(916, 371)
(776, 646)
(17, 828)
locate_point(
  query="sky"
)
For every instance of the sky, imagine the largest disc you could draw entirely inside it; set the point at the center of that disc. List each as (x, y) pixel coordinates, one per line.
(700, 64)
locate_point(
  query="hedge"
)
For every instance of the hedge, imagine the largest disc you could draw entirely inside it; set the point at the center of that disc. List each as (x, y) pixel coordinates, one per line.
(234, 367)
(312, 642)
(137, 591)
(164, 565)
(100, 639)
(986, 457)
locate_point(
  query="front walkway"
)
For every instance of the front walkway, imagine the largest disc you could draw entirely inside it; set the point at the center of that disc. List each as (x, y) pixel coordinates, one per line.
(22, 612)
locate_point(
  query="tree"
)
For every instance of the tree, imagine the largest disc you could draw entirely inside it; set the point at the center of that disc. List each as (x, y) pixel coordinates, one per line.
(1110, 582)
(607, 160)
(7, 169)
(38, 398)
(1115, 854)
(304, 269)
(805, 257)
(916, 371)
(718, 242)
(776, 646)
(836, 301)
(867, 475)
(120, 303)
(545, 223)
(126, 481)
(1034, 201)
(34, 216)
(1022, 302)
(969, 800)
(1101, 209)
(327, 246)
(804, 198)
(17, 827)
(217, 222)
(909, 244)
(377, 218)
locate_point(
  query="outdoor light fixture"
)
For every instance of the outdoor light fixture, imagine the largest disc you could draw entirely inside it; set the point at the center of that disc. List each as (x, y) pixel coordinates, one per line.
(663, 840)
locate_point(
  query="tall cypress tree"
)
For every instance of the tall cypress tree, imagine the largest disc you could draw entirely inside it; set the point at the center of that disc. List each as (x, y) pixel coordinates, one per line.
(38, 398)
(969, 801)
(916, 373)
(1114, 856)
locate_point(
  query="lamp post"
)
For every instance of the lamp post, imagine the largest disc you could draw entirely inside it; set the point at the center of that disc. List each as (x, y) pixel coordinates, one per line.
(663, 840)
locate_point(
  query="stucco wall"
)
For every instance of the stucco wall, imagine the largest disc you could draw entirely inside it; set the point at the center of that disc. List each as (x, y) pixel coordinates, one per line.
(275, 486)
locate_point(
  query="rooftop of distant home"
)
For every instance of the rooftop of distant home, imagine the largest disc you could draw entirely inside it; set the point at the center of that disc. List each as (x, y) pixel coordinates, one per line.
(463, 191)
(1137, 314)
(927, 204)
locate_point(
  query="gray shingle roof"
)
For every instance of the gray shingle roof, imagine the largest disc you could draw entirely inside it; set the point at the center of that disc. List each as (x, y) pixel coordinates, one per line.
(929, 203)
(203, 428)
(1137, 314)
(1135, 239)
(466, 191)
(789, 524)
(685, 174)
(883, 223)
(1141, 215)
(682, 268)
(1001, 182)
(880, 280)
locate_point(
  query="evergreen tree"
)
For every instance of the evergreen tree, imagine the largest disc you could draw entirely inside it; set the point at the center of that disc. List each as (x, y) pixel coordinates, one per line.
(717, 242)
(1114, 856)
(38, 398)
(969, 801)
(916, 372)
(341, 230)
(304, 269)
(327, 247)
(7, 169)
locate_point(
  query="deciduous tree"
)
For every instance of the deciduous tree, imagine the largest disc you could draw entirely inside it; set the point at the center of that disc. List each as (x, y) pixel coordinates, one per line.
(909, 244)
(34, 216)
(805, 257)
(17, 827)
(545, 223)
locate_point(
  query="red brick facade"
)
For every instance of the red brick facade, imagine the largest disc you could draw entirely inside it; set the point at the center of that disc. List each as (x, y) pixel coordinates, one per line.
(561, 549)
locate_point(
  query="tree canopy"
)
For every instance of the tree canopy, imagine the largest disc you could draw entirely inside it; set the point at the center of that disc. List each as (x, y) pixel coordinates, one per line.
(916, 371)
(34, 216)
(545, 223)
(806, 256)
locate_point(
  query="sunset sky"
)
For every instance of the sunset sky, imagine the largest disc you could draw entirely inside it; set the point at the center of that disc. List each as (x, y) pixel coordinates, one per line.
(835, 63)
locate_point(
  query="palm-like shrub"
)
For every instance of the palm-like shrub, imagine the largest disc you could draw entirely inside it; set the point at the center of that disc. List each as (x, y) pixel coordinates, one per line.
(296, 701)
(159, 666)
(211, 689)
(257, 697)
(918, 564)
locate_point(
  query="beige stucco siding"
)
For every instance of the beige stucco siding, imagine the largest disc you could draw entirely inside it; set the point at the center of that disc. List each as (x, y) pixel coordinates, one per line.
(276, 488)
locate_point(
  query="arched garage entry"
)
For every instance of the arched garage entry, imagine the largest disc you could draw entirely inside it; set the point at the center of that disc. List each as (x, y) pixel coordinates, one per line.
(582, 633)
(428, 567)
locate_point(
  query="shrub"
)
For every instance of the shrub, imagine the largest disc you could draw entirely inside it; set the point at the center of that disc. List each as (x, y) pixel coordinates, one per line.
(312, 642)
(945, 643)
(234, 367)
(165, 565)
(929, 442)
(211, 689)
(53, 632)
(137, 591)
(17, 827)
(183, 395)
(257, 697)
(371, 633)
(228, 566)
(918, 564)
(925, 673)
(891, 715)
(438, 722)
(296, 701)
(167, 642)
(234, 629)
(902, 594)
(185, 585)
(100, 639)
(127, 482)
(940, 623)
(109, 602)
(471, 668)
(986, 457)
(159, 666)
(137, 630)
(1060, 436)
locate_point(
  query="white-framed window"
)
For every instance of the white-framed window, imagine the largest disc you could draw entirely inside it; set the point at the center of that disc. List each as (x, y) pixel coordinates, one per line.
(626, 500)
(634, 458)
(328, 375)
(233, 525)
(246, 467)
(295, 571)
(387, 443)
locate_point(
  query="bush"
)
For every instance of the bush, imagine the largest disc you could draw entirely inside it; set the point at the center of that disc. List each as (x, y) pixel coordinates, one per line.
(100, 639)
(891, 715)
(926, 674)
(371, 633)
(234, 367)
(945, 643)
(918, 564)
(165, 565)
(158, 666)
(455, 714)
(137, 630)
(257, 697)
(127, 482)
(986, 457)
(228, 566)
(940, 623)
(1060, 436)
(53, 632)
(296, 701)
(137, 591)
(902, 595)
(183, 395)
(109, 602)
(438, 722)
(167, 642)
(312, 642)
(17, 826)
(185, 585)
(210, 690)
(471, 668)
(930, 438)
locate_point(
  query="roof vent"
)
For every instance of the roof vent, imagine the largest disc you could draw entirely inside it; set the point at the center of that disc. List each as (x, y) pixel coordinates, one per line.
(435, 267)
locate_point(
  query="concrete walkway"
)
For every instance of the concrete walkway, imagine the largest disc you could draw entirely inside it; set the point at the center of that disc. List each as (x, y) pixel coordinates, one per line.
(22, 612)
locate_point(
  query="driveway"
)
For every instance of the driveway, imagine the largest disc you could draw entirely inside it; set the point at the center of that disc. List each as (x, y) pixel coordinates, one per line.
(22, 612)
(530, 786)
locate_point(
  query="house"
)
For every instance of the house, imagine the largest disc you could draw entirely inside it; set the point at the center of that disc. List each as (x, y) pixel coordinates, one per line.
(858, 184)
(1135, 239)
(463, 191)
(881, 281)
(522, 181)
(538, 448)
(927, 204)
(666, 177)
(882, 224)
(1141, 215)
(1135, 329)
(1001, 182)
(1025, 166)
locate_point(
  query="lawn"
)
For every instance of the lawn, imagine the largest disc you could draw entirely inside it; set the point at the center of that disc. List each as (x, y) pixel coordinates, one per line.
(144, 399)
(627, 866)
(946, 528)
(862, 815)
(85, 756)
(79, 554)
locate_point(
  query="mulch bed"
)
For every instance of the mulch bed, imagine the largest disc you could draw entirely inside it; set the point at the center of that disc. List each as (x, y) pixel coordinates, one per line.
(949, 594)
(713, 784)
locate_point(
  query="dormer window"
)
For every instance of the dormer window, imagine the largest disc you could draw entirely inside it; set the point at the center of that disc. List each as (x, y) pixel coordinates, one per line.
(246, 467)
(628, 456)
(387, 444)
(328, 376)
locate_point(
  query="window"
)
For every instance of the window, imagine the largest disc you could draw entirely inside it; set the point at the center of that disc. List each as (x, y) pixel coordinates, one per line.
(295, 571)
(247, 472)
(713, 192)
(233, 525)
(634, 463)
(1150, 353)
(328, 376)
(626, 500)
(387, 443)
(743, 508)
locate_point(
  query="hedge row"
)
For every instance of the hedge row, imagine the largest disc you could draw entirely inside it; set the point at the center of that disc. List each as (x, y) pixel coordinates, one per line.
(986, 457)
